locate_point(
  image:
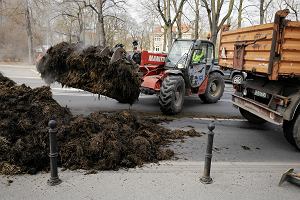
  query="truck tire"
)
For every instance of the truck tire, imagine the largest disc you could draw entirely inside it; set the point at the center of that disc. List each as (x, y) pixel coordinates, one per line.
(291, 130)
(214, 90)
(251, 117)
(171, 95)
(237, 78)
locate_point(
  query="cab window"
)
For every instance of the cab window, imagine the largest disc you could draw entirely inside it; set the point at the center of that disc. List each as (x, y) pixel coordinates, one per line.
(210, 53)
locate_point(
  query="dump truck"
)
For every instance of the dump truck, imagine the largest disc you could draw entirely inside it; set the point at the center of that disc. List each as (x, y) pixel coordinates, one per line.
(270, 55)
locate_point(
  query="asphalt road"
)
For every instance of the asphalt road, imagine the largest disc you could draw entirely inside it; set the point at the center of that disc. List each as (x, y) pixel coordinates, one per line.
(82, 102)
(248, 160)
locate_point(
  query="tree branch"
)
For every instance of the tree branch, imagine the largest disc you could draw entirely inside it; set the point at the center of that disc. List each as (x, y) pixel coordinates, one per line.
(161, 13)
(178, 11)
(208, 12)
(227, 15)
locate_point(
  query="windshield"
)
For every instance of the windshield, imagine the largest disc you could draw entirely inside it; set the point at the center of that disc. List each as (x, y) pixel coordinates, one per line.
(179, 48)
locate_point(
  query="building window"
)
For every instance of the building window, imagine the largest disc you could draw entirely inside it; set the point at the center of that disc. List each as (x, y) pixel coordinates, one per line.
(156, 48)
(157, 38)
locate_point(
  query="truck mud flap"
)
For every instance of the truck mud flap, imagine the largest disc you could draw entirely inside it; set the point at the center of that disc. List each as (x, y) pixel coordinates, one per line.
(258, 109)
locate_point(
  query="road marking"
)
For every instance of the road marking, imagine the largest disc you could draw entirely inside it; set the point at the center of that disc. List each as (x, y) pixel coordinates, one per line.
(226, 100)
(24, 77)
(36, 72)
(69, 89)
(220, 119)
(18, 66)
(74, 94)
(64, 92)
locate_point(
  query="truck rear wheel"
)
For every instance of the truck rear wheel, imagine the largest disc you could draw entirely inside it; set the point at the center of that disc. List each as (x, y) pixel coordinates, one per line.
(171, 95)
(214, 90)
(237, 79)
(291, 130)
(251, 117)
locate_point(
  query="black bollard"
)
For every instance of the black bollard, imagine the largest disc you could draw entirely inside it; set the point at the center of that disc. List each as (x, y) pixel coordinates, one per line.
(54, 180)
(206, 179)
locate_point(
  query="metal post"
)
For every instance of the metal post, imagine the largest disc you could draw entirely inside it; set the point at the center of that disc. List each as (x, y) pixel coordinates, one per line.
(206, 179)
(54, 180)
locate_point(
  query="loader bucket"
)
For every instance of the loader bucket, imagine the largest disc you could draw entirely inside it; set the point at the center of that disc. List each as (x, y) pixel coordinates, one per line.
(118, 54)
(105, 52)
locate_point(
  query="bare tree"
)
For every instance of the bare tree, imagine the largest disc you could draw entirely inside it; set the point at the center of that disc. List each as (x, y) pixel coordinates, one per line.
(240, 11)
(294, 6)
(1, 10)
(179, 19)
(197, 18)
(75, 9)
(167, 18)
(29, 31)
(99, 7)
(263, 7)
(197, 23)
(213, 9)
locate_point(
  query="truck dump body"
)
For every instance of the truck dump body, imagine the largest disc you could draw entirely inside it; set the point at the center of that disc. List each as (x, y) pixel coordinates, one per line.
(271, 50)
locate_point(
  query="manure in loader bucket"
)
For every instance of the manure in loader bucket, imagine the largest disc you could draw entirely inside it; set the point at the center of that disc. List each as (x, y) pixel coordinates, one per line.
(94, 69)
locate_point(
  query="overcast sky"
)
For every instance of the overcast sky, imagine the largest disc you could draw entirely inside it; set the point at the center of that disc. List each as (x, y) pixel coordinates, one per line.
(134, 9)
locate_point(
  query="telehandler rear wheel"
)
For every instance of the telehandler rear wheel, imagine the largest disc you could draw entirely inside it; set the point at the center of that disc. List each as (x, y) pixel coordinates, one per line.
(291, 130)
(171, 95)
(214, 90)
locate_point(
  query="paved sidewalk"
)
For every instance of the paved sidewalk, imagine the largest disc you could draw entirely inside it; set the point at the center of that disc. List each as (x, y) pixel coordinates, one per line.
(244, 174)
(169, 180)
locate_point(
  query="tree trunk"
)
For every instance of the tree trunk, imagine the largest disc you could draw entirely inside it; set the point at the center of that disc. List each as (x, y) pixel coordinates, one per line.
(29, 32)
(240, 9)
(214, 36)
(178, 21)
(100, 25)
(1, 9)
(214, 12)
(169, 25)
(70, 32)
(165, 39)
(81, 26)
(197, 18)
(261, 12)
(169, 36)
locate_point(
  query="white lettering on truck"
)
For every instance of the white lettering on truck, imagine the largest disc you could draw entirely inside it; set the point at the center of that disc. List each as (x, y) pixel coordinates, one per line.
(156, 58)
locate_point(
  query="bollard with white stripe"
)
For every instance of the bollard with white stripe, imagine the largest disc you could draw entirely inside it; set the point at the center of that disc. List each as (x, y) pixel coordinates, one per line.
(54, 180)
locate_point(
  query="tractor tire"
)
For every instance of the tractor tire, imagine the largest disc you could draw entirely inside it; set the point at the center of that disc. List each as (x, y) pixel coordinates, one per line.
(291, 131)
(171, 95)
(214, 90)
(253, 119)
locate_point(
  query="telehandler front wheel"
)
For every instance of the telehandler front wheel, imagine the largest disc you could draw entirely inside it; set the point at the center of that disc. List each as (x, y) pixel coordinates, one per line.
(214, 90)
(171, 95)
